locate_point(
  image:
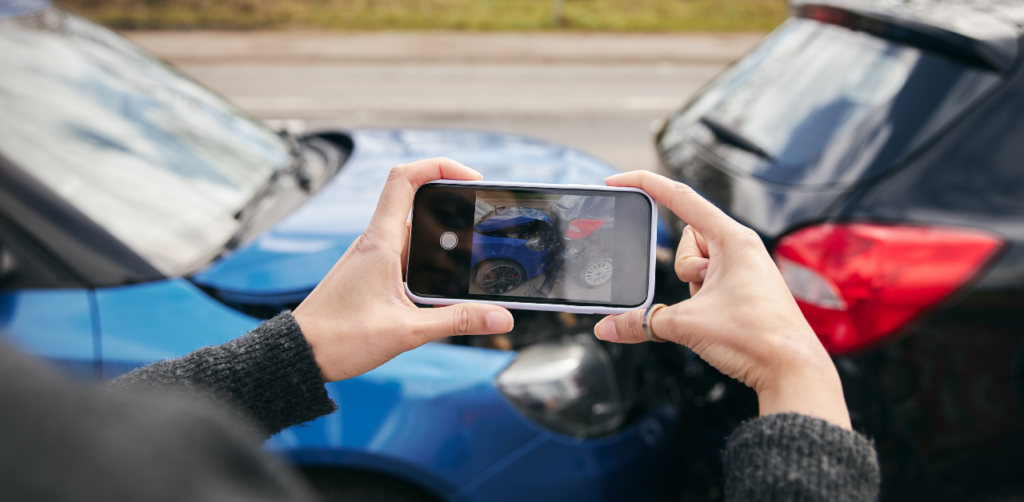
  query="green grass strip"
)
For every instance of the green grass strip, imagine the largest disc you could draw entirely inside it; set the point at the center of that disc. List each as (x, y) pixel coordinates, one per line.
(475, 15)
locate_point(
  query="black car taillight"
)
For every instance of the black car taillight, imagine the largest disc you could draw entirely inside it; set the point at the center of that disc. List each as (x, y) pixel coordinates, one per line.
(859, 283)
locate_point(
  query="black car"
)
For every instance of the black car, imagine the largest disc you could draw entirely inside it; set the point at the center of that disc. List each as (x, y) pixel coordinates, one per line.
(878, 149)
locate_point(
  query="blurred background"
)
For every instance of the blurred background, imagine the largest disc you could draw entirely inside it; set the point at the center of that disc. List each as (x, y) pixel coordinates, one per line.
(597, 75)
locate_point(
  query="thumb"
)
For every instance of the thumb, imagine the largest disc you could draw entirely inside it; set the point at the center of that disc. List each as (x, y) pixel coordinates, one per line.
(464, 319)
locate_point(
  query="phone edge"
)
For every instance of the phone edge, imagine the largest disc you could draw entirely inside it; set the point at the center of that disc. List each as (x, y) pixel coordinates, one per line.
(549, 307)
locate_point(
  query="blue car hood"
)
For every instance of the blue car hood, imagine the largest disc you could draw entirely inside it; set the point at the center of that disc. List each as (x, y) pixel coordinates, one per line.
(511, 216)
(285, 263)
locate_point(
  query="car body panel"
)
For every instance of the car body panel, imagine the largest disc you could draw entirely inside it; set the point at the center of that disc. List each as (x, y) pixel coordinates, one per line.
(55, 324)
(149, 322)
(487, 247)
(511, 216)
(431, 415)
(560, 468)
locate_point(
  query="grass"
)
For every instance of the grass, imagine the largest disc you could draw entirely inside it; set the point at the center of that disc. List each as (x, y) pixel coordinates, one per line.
(477, 15)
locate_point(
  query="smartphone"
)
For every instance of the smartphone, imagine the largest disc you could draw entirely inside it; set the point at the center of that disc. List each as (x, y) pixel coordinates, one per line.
(571, 248)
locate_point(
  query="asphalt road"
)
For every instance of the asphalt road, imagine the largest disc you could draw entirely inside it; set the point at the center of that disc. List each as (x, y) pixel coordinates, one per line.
(603, 94)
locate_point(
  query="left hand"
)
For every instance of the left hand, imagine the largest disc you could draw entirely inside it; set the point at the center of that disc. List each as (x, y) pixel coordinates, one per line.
(359, 316)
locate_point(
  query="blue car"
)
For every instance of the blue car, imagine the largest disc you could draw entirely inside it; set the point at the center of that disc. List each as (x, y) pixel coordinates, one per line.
(142, 217)
(510, 245)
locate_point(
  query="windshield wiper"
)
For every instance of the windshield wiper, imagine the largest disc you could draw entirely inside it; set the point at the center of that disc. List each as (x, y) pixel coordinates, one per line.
(296, 167)
(730, 136)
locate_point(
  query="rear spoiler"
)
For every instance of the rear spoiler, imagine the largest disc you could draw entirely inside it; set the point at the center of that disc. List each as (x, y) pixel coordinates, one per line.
(994, 54)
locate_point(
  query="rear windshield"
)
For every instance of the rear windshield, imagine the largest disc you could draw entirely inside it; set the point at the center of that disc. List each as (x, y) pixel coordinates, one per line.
(819, 104)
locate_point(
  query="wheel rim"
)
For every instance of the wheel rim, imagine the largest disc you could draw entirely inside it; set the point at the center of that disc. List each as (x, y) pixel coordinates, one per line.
(598, 273)
(501, 279)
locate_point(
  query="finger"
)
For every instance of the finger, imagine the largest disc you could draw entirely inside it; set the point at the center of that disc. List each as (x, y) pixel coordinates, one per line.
(463, 319)
(395, 201)
(405, 249)
(679, 198)
(692, 257)
(622, 328)
(628, 327)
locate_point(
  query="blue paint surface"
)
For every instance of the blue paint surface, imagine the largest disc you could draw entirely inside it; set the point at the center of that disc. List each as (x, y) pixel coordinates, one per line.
(144, 323)
(431, 415)
(627, 466)
(49, 323)
(511, 216)
(486, 247)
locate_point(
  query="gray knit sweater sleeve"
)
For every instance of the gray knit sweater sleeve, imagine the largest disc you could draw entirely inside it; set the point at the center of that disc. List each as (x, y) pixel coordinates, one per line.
(268, 377)
(796, 458)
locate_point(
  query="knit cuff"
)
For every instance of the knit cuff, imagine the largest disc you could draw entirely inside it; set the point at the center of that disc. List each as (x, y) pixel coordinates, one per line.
(790, 457)
(274, 376)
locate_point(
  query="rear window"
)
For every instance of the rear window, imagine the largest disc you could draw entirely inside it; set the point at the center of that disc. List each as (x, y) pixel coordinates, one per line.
(819, 104)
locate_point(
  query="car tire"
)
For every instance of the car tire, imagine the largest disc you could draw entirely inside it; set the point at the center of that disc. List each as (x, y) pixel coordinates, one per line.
(338, 485)
(596, 272)
(499, 276)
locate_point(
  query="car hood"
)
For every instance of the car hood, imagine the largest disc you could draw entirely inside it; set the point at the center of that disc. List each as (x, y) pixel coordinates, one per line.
(511, 216)
(282, 265)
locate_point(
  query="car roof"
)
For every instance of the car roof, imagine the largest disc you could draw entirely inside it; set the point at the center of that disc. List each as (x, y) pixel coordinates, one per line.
(989, 30)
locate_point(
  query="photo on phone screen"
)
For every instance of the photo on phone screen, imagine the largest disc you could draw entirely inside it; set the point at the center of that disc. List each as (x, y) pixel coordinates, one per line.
(537, 245)
(573, 246)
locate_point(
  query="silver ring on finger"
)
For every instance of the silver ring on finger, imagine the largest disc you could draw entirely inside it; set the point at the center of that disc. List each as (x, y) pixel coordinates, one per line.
(646, 324)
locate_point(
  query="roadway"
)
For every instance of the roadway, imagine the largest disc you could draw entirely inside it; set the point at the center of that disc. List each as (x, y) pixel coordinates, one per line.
(602, 93)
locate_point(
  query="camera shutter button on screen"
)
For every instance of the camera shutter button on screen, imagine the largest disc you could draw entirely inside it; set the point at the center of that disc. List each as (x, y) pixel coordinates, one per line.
(449, 240)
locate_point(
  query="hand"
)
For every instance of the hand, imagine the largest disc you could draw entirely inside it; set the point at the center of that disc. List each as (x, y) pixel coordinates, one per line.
(741, 317)
(359, 316)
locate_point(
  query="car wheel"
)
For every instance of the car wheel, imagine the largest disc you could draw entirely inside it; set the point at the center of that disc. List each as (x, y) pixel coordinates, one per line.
(336, 485)
(596, 272)
(500, 276)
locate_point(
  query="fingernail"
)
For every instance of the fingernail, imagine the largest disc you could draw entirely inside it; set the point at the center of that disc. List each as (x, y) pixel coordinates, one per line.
(607, 332)
(703, 272)
(499, 322)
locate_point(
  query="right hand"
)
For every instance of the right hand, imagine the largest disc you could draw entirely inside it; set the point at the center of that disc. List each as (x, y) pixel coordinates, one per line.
(741, 317)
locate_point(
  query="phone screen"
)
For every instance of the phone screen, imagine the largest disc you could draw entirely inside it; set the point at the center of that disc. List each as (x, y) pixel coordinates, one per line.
(535, 245)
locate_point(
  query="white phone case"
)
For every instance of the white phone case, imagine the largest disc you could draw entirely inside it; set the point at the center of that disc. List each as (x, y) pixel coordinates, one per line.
(575, 309)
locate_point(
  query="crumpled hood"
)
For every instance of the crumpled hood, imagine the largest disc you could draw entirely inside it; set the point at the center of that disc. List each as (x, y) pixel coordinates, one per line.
(510, 216)
(285, 263)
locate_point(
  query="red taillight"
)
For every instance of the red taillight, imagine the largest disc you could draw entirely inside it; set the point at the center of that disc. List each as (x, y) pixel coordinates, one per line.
(582, 227)
(859, 283)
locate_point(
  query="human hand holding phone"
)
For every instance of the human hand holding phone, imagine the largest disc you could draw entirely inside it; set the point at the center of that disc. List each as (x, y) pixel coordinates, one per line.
(741, 317)
(359, 316)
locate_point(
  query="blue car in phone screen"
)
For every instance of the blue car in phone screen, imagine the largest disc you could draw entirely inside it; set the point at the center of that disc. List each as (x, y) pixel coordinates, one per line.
(143, 217)
(510, 245)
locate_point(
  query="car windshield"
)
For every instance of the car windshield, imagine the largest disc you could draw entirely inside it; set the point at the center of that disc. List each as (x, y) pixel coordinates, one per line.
(821, 104)
(160, 162)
